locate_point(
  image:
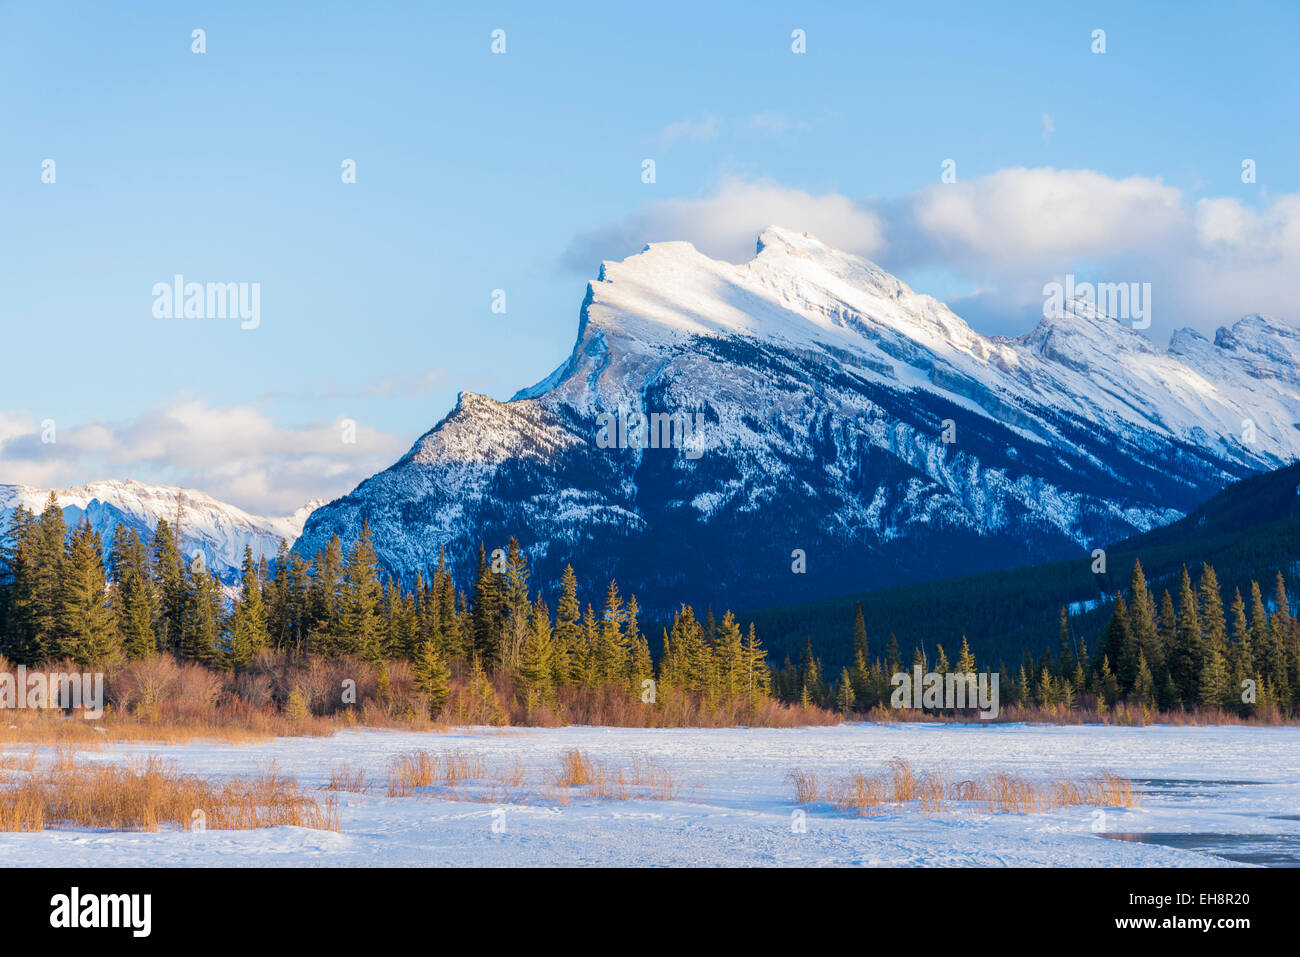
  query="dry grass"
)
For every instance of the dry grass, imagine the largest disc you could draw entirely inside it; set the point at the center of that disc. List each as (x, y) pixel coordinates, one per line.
(149, 795)
(645, 778)
(575, 770)
(421, 769)
(996, 792)
(163, 700)
(347, 778)
(808, 788)
(463, 776)
(15, 762)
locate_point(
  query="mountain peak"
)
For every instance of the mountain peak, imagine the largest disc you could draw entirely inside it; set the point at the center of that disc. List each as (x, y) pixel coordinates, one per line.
(788, 238)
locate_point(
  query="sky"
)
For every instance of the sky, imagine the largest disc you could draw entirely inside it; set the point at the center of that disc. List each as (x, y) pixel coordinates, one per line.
(478, 171)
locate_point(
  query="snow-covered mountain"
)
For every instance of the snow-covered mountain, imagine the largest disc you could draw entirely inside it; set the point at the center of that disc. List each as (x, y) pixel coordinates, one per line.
(217, 530)
(824, 385)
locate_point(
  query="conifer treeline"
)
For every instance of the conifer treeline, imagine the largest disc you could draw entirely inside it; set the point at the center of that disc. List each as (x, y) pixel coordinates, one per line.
(58, 599)
(1179, 654)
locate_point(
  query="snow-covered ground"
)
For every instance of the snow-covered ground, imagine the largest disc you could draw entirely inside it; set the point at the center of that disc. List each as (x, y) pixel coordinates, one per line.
(736, 804)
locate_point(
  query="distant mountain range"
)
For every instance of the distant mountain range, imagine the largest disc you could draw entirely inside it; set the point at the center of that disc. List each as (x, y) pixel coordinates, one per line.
(1249, 531)
(826, 392)
(216, 530)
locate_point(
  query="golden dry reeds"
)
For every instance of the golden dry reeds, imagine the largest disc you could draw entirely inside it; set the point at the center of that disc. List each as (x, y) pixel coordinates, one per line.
(147, 795)
(995, 792)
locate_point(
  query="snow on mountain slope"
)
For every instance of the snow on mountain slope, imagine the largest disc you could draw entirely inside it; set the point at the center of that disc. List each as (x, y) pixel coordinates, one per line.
(215, 529)
(824, 384)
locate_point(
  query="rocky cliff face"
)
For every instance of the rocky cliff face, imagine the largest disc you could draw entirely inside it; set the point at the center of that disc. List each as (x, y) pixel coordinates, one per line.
(839, 413)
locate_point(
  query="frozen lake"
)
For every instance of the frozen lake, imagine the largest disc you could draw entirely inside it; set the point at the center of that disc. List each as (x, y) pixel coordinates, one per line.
(1209, 796)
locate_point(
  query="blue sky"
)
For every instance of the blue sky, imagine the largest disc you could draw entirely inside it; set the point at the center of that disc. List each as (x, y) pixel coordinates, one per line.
(521, 171)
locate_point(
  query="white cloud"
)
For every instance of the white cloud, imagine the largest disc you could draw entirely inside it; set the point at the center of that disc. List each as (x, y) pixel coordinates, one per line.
(700, 131)
(1008, 233)
(1044, 217)
(726, 225)
(237, 454)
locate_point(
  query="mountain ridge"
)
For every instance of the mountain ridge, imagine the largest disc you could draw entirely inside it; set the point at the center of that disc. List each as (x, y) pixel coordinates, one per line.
(215, 529)
(826, 386)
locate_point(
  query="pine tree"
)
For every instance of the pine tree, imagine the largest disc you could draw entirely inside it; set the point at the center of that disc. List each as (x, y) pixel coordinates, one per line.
(135, 600)
(172, 586)
(1121, 652)
(1243, 656)
(1023, 693)
(484, 708)
(941, 664)
(1144, 691)
(246, 629)
(611, 647)
(1107, 684)
(844, 696)
(757, 675)
(1283, 666)
(1188, 657)
(517, 606)
(1067, 650)
(17, 597)
(860, 649)
(1213, 625)
(1046, 693)
(568, 614)
(1215, 684)
(966, 659)
(1166, 626)
(432, 677)
(489, 597)
(893, 657)
(1142, 622)
(200, 640)
(324, 600)
(637, 647)
(47, 580)
(535, 657)
(729, 651)
(297, 709)
(360, 629)
(87, 628)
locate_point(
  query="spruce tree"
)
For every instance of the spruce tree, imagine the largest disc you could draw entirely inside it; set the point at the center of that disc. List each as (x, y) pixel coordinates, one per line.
(172, 586)
(757, 674)
(47, 580)
(611, 646)
(535, 664)
(487, 612)
(201, 626)
(568, 614)
(1120, 648)
(360, 629)
(1142, 621)
(1188, 657)
(17, 610)
(432, 677)
(324, 601)
(1144, 691)
(844, 696)
(87, 629)
(246, 628)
